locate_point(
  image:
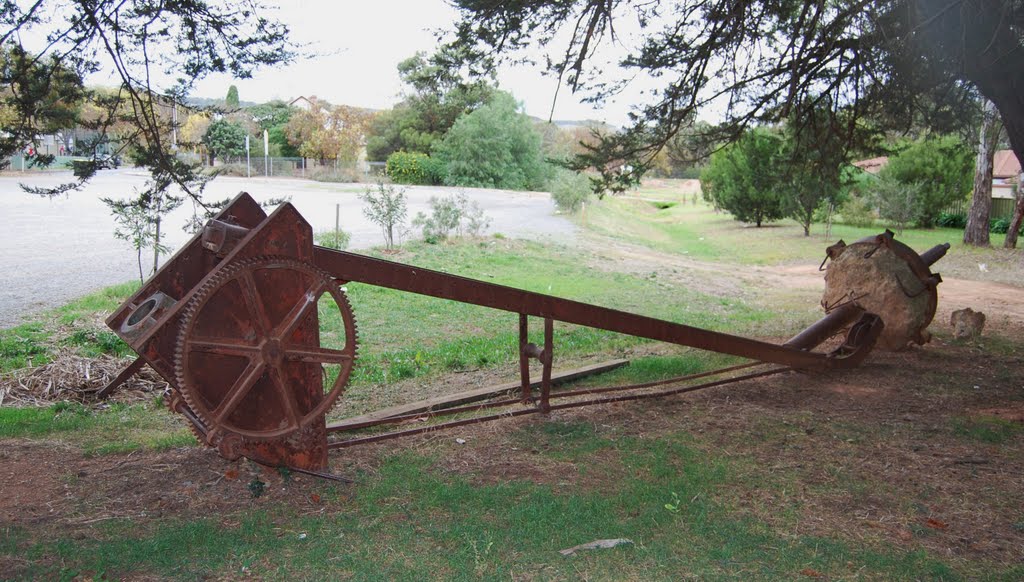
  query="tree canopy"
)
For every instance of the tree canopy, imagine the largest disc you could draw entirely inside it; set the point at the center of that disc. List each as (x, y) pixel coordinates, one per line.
(891, 62)
(744, 178)
(495, 146)
(143, 42)
(225, 139)
(328, 132)
(437, 96)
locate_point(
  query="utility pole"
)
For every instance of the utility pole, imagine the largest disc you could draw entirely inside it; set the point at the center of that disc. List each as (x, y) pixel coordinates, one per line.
(266, 153)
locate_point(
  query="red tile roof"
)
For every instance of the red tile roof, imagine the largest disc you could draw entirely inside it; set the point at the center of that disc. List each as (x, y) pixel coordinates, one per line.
(1005, 165)
(872, 166)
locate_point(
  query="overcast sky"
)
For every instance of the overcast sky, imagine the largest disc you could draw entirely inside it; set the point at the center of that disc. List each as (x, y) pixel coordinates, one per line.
(361, 44)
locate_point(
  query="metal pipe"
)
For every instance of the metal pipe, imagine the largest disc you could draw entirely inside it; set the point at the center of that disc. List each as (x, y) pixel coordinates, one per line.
(932, 255)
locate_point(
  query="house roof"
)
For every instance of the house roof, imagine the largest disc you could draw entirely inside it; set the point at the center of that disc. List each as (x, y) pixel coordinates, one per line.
(873, 165)
(301, 101)
(1005, 165)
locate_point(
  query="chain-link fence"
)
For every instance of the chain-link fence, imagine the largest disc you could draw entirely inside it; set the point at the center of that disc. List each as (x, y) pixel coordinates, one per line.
(23, 163)
(285, 167)
(274, 167)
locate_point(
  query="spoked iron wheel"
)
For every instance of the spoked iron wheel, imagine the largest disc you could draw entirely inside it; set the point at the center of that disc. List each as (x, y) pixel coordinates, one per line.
(249, 360)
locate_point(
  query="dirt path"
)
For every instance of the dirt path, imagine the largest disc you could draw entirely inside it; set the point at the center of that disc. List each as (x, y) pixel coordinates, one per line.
(876, 456)
(1002, 303)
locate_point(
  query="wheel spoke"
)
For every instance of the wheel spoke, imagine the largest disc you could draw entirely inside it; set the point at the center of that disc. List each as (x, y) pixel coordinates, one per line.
(222, 346)
(240, 389)
(317, 355)
(248, 285)
(298, 313)
(287, 396)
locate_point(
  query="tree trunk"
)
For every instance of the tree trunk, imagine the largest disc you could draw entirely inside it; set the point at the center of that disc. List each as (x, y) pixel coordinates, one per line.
(138, 258)
(980, 44)
(156, 243)
(1018, 214)
(976, 231)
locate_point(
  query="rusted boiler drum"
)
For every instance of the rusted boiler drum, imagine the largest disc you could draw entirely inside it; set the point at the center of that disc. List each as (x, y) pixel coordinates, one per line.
(886, 277)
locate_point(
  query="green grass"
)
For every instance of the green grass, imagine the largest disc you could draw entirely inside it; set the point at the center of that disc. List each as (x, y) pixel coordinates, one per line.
(77, 324)
(403, 335)
(699, 232)
(23, 346)
(988, 429)
(410, 522)
(102, 303)
(115, 429)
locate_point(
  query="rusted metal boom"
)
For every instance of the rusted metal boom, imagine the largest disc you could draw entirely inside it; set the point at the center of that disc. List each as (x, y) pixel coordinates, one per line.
(351, 267)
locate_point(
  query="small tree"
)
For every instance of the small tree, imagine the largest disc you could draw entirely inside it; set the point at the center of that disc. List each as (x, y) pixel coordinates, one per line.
(812, 169)
(943, 167)
(386, 208)
(231, 100)
(896, 201)
(743, 179)
(569, 190)
(495, 146)
(138, 221)
(224, 139)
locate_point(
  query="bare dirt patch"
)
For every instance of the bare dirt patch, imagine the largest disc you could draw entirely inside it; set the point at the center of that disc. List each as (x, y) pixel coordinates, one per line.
(875, 455)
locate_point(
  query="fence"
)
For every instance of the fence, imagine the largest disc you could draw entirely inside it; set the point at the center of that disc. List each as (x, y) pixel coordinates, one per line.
(21, 164)
(284, 167)
(1001, 208)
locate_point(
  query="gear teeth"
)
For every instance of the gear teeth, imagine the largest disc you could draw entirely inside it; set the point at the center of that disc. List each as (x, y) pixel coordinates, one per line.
(208, 289)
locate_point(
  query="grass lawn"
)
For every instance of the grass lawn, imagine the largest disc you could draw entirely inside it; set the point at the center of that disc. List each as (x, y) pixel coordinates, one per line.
(905, 469)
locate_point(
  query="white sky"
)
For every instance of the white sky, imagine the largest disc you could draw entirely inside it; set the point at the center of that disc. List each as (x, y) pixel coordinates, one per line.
(363, 42)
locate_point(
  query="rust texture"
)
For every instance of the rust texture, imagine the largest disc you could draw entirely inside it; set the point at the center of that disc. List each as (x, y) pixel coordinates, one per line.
(884, 276)
(232, 322)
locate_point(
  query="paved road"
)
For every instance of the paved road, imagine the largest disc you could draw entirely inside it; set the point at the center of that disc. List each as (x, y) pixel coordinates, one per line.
(52, 251)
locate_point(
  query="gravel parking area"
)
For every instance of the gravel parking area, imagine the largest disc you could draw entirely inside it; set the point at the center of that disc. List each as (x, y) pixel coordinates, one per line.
(59, 249)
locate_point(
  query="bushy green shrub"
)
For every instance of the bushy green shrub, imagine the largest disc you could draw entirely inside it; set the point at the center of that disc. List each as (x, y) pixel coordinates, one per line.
(494, 146)
(434, 170)
(569, 190)
(857, 211)
(1001, 225)
(451, 215)
(952, 220)
(943, 167)
(333, 239)
(415, 168)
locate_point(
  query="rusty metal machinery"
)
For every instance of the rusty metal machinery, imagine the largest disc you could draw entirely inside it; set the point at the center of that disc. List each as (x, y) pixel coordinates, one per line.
(886, 277)
(232, 323)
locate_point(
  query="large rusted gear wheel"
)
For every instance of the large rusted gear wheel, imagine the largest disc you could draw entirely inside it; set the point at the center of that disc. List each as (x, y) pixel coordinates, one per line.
(249, 363)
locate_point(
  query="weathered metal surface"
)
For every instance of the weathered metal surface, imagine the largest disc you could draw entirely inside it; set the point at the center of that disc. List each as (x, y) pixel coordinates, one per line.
(886, 277)
(372, 271)
(256, 396)
(232, 323)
